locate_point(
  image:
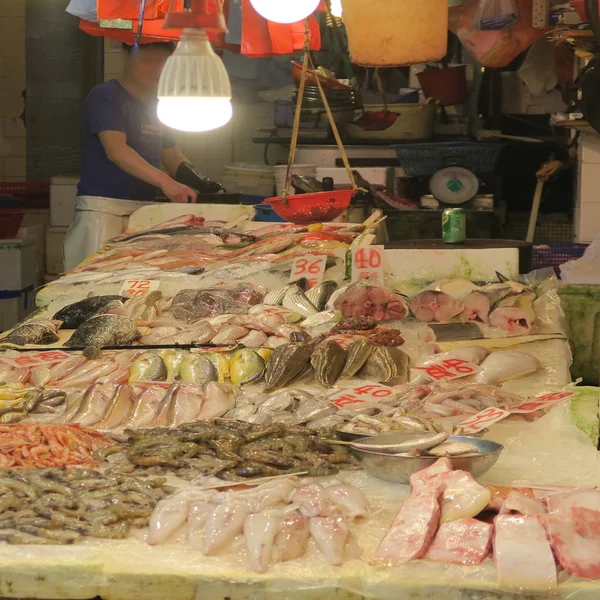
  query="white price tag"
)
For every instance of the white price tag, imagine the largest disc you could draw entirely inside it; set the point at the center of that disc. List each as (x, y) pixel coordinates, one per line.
(311, 267)
(448, 369)
(366, 392)
(482, 420)
(540, 402)
(367, 262)
(36, 359)
(139, 287)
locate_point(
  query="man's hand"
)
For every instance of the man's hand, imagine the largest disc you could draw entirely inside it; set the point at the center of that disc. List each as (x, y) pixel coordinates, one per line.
(176, 192)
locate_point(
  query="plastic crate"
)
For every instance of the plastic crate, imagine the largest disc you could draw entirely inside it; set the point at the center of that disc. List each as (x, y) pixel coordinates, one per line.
(554, 255)
(425, 159)
(24, 189)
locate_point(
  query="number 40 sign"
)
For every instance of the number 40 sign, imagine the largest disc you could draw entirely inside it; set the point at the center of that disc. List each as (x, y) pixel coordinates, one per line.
(367, 262)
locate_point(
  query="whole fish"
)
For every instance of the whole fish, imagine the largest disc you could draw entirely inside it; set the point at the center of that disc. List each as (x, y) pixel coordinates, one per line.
(73, 315)
(276, 297)
(327, 317)
(328, 360)
(386, 364)
(286, 363)
(148, 367)
(198, 369)
(40, 332)
(296, 300)
(143, 310)
(94, 404)
(105, 330)
(172, 359)
(505, 365)
(218, 400)
(359, 352)
(144, 408)
(221, 362)
(186, 402)
(320, 294)
(87, 373)
(245, 366)
(119, 406)
(424, 443)
(228, 334)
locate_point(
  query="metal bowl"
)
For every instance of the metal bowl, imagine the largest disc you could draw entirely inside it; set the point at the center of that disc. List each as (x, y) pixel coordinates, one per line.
(348, 436)
(398, 469)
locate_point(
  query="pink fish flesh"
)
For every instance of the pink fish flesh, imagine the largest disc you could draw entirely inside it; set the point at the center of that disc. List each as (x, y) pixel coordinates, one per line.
(476, 308)
(431, 306)
(371, 301)
(524, 559)
(589, 499)
(575, 538)
(462, 542)
(292, 538)
(420, 479)
(413, 529)
(520, 504)
(512, 320)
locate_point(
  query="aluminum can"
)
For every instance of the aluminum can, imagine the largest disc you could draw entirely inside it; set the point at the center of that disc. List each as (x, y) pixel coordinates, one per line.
(454, 229)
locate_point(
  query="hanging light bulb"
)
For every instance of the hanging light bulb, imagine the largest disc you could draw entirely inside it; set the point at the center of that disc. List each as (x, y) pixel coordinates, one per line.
(285, 11)
(194, 92)
(336, 8)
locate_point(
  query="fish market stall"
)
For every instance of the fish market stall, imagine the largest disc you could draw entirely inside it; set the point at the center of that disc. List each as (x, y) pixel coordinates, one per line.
(202, 410)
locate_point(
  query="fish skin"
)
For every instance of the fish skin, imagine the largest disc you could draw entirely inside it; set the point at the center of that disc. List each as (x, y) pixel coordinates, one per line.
(286, 363)
(359, 352)
(197, 369)
(386, 364)
(328, 360)
(73, 315)
(172, 359)
(320, 294)
(148, 367)
(105, 330)
(119, 407)
(94, 404)
(40, 332)
(296, 300)
(87, 373)
(246, 366)
(219, 400)
(185, 404)
(144, 408)
(221, 362)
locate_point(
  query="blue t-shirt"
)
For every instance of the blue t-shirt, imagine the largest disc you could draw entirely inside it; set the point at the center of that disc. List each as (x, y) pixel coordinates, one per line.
(110, 107)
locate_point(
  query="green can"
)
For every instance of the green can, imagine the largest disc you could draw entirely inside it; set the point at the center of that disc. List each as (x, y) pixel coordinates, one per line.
(454, 227)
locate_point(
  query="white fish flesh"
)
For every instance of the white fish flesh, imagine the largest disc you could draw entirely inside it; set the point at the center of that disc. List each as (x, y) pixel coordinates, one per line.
(219, 400)
(144, 408)
(457, 288)
(186, 403)
(462, 542)
(520, 504)
(119, 407)
(524, 559)
(421, 479)
(476, 308)
(346, 500)
(462, 496)
(292, 538)
(309, 501)
(505, 365)
(589, 499)
(260, 530)
(196, 521)
(223, 524)
(330, 535)
(168, 516)
(472, 354)
(434, 307)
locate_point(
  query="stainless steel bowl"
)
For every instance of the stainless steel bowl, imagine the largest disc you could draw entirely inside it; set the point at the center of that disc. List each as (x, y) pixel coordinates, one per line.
(398, 469)
(348, 436)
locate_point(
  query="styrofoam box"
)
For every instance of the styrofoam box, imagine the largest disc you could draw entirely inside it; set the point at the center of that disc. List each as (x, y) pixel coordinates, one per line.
(15, 306)
(55, 240)
(374, 175)
(17, 264)
(63, 195)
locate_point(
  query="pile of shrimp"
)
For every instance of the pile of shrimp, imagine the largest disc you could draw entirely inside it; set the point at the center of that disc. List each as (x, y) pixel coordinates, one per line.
(34, 445)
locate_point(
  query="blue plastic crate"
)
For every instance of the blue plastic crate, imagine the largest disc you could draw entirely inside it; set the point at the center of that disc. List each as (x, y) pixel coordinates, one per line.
(425, 159)
(556, 254)
(265, 212)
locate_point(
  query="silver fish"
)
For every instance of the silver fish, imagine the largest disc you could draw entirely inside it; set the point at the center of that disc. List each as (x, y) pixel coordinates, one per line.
(275, 298)
(197, 369)
(328, 317)
(148, 367)
(297, 301)
(453, 449)
(320, 294)
(230, 334)
(424, 443)
(119, 407)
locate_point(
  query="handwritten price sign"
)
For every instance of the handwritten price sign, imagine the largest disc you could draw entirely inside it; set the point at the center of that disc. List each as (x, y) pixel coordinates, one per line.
(276, 310)
(541, 402)
(344, 339)
(482, 420)
(367, 392)
(36, 359)
(450, 368)
(311, 267)
(367, 262)
(139, 287)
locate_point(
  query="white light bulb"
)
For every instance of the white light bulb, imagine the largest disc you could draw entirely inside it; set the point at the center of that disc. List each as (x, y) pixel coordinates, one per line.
(336, 8)
(285, 11)
(194, 93)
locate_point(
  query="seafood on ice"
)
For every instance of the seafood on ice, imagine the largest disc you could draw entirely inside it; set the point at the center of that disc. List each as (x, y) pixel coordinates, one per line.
(360, 300)
(276, 520)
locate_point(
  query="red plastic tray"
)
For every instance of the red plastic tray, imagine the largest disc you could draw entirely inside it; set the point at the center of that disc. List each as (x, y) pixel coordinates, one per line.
(319, 207)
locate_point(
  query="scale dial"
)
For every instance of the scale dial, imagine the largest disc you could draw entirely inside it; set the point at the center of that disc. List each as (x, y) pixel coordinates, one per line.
(454, 185)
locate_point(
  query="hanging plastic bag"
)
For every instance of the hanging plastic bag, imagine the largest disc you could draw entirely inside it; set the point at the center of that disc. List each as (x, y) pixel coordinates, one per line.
(84, 9)
(495, 15)
(126, 9)
(495, 49)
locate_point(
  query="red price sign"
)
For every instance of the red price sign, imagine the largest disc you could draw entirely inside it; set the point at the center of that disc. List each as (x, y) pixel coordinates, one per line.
(541, 402)
(138, 287)
(344, 339)
(450, 368)
(366, 392)
(482, 420)
(311, 267)
(36, 359)
(277, 310)
(367, 262)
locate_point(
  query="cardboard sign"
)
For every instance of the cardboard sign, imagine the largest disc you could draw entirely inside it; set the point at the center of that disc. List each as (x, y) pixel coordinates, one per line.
(367, 262)
(311, 267)
(138, 287)
(482, 420)
(366, 392)
(448, 369)
(36, 359)
(541, 402)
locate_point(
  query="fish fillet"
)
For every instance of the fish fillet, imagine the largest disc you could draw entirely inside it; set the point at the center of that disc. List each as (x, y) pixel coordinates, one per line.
(413, 529)
(575, 538)
(420, 479)
(520, 504)
(505, 365)
(524, 559)
(462, 497)
(589, 499)
(462, 542)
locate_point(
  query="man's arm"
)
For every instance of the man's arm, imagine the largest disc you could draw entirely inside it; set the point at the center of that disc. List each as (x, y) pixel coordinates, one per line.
(127, 159)
(171, 159)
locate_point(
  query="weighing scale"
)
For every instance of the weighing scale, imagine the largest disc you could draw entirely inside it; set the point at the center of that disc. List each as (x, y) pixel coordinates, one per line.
(454, 185)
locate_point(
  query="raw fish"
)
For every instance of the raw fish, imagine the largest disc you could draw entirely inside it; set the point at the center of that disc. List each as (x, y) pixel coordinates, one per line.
(359, 300)
(105, 330)
(520, 504)
(260, 530)
(144, 408)
(41, 332)
(309, 501)
(476, 308)
(421, 479)
(438, 307)
(199, 333)
(412, 530)
(472, 354)
(589, 499)
(272, 494)
(168, 516)
(87, 373)
(461, 542)
(219, 400)
(73, 315)
(197, 369)
(63, 369)
(94, 404)
(196, 521)
(39, 376)
(119, 407)
(462, 497)
(330, 535)
(459, 289)
(143, 310)
(346, 500)
(292, 538)
(186, 402)
(575, 538)
(148, 367)
(515, 313)
(172, 359)
(505, 365)
(223, 524)
(230, 333)
(524, 559)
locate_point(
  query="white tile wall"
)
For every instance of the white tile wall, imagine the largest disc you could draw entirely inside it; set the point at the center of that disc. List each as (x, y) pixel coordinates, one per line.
(587, 209)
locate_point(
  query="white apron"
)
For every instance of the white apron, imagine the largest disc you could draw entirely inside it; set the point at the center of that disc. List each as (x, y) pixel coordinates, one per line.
(96, 220)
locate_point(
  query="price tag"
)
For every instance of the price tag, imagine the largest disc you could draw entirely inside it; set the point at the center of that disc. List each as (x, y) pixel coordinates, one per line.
(482, 420)
(450, 368)
(311, 267)
(541, 402)
(366, 392)
(367, 261)
(36, 359)
(277, 310)
(344, 339)
(139, 287)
